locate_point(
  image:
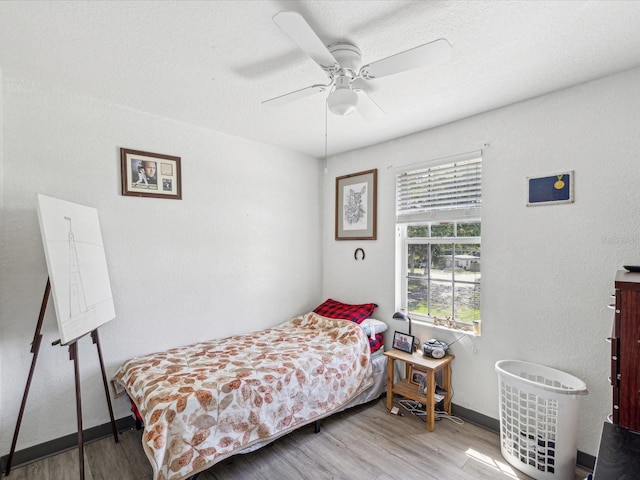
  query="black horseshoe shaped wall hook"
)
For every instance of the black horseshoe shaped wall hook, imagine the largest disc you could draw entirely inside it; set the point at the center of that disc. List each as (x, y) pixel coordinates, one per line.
(355, 254)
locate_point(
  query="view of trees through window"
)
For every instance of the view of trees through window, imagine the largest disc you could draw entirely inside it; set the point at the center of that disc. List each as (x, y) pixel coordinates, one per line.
(443, 270)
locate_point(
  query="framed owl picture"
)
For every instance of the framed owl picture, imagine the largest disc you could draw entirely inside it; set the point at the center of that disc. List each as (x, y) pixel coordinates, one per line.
(356, 204)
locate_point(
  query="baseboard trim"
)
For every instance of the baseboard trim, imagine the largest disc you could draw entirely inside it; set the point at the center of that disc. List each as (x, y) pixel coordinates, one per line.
(59, 445)
(62, 444)
(476, 418)
(584, 460)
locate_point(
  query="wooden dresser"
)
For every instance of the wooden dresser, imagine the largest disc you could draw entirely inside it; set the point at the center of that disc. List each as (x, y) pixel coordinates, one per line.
(625, 351)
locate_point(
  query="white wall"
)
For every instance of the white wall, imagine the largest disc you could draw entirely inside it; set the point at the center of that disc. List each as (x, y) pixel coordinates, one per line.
(1, 216)
(240, 252)
(547, 271)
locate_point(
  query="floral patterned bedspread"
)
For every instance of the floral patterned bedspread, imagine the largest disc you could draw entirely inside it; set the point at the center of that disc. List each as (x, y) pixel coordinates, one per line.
(204, 402)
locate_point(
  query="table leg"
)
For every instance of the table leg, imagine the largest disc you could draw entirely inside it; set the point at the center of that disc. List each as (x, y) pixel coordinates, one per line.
(446, 380)
(390, 363)
(431, 405)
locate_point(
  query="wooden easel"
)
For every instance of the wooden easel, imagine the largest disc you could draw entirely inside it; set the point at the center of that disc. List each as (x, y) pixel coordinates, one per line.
(73, 355)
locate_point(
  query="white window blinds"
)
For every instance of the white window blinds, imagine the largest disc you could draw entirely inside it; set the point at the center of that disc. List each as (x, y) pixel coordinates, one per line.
(449, 189)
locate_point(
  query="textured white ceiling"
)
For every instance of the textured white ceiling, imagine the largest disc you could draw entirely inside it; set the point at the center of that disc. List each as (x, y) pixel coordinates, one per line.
(212, 63)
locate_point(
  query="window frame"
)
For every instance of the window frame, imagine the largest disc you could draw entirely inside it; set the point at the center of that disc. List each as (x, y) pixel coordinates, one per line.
(429, 216)
(404, 275)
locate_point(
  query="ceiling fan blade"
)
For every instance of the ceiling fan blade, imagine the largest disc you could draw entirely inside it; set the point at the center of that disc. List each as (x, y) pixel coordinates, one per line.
(367, 108)
(427, 54)
(295, 95)
(294, 25)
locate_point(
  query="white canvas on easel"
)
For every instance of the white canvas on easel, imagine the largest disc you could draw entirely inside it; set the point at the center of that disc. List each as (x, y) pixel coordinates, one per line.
(77, 266)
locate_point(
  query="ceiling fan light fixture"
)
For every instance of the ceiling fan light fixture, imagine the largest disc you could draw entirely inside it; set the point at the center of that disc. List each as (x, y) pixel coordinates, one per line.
(342, 63)
(342, 101)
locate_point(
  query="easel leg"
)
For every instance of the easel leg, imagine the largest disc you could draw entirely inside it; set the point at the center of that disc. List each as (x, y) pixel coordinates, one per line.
(96, 340)
(73, 355)
(35, 348)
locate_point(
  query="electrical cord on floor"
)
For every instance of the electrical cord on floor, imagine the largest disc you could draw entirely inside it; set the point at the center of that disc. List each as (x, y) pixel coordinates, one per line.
(416, 409)
(456, 420)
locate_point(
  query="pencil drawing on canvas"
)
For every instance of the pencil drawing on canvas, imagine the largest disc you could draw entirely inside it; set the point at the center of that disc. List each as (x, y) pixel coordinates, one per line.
(77, 266)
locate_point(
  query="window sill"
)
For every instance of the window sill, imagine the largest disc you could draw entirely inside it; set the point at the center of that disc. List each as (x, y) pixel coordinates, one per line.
(469, 331)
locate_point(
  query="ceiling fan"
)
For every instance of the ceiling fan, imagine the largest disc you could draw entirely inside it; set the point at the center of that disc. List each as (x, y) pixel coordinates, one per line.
(342, 63)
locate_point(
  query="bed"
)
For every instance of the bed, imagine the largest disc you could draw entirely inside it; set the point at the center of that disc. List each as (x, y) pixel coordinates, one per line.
(205, 402)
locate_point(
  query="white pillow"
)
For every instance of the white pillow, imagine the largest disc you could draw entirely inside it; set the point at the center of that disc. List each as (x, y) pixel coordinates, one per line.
(371, 326)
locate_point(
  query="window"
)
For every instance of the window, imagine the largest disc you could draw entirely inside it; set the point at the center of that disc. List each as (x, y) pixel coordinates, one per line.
(439, 230)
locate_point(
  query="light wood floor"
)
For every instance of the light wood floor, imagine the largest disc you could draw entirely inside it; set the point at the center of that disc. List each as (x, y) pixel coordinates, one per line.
(364, 442)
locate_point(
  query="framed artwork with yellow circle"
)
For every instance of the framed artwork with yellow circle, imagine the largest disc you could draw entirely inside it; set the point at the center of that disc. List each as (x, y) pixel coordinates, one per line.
(550, 189)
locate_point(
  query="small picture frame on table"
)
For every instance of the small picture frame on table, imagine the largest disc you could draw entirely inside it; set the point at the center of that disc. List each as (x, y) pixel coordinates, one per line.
(403, 342)
(146, 174)
(417, 377)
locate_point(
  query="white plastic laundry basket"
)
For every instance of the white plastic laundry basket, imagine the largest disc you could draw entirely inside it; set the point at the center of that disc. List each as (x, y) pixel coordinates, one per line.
(539, 413)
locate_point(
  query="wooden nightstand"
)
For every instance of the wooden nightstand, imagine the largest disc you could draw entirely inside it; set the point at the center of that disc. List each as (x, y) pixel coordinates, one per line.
(409, 390)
